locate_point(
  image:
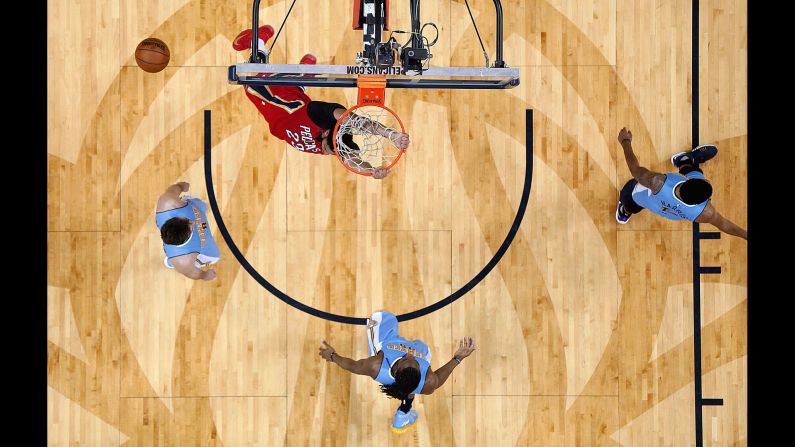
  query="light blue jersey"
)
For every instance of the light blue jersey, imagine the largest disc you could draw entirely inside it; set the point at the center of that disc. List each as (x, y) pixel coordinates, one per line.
(201, 239)
(383, 337)
(665, 203)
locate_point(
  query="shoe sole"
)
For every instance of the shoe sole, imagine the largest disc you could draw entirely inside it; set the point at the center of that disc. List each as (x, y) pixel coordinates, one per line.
(619, 220)
(308, 59)
(695, 148)
(399, 431)
(674, 156)
(706, 145)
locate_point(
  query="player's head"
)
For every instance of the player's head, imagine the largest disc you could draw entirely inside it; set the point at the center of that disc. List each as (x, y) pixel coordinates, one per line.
(176, 230)
(695, 191)
(407, 376)
(328, 142)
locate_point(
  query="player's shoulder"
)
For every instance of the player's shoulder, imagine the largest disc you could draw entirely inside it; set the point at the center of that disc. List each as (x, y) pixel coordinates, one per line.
(657, 181)
(707, 214)
(373, 364)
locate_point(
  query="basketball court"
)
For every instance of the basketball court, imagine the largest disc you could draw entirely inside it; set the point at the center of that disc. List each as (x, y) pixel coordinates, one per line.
(584, 327)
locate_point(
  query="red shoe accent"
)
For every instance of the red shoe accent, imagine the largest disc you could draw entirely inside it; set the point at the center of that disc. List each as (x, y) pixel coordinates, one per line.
(243, 40)
(308, 59)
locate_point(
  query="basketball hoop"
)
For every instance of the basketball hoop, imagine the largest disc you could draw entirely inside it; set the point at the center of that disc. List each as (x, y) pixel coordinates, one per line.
(366, 134)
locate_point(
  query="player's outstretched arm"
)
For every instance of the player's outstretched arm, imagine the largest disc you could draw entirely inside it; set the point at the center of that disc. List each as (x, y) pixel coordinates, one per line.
(170, 198)
(435, 379)
(363, 367)
(645, 177)
(400, 139)
(712, 216)
(359, 164)
(185, 264)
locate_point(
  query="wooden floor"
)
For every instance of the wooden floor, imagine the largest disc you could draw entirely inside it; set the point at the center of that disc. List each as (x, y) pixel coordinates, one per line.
(584, 329)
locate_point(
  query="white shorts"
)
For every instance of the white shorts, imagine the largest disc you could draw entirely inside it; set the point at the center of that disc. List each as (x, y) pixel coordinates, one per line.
(381, 327)
(201, 261)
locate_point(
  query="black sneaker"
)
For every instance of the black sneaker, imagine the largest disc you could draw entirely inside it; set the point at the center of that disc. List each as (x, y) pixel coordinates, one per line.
(696, 156)
(622, 216)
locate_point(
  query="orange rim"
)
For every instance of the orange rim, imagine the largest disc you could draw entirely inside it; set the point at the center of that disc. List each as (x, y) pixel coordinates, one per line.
(337, 126)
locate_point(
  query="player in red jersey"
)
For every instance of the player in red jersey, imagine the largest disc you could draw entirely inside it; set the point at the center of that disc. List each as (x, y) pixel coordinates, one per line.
(294, 117)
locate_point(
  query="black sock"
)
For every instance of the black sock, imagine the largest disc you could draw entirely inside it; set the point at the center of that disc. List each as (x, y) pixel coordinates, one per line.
(405, 406)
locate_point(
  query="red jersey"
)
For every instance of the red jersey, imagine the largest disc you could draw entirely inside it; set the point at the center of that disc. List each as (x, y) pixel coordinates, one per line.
(284, 108)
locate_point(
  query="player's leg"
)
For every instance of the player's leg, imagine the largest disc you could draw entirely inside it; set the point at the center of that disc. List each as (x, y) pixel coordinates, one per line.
(275, 103)
(688, 169)
(694, 157)
(308, 59)
(404, 420)
(405, 404)
(626, 205)
(287, 98)
(243, 39)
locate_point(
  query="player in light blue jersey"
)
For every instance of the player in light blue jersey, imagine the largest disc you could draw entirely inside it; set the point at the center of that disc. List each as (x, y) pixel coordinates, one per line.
(187, 240)
(682, 196)
(401, 366)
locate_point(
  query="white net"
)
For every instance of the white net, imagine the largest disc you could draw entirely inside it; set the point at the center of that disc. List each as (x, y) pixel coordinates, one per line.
(367, 138)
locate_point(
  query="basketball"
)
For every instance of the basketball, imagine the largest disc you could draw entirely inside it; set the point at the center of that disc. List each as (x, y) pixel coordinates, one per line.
(152, 55)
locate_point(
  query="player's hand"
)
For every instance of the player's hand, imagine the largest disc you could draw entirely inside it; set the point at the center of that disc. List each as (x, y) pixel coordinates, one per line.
(184, 185)
(209, 275)
(623, 135)
(465, 347)
(401, 140)
(379, 173)
(326, 350)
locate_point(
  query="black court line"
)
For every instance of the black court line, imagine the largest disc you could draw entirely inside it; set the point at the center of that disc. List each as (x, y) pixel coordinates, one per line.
(208, 178)
(697, 328)
(696, 241)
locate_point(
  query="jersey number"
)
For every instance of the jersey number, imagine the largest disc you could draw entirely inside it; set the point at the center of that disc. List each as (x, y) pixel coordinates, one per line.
(295, 143)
